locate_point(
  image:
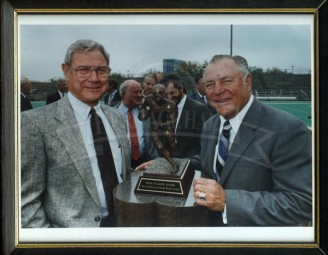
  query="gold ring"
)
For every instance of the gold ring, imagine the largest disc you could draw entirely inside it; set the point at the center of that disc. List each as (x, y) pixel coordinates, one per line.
(202, 196)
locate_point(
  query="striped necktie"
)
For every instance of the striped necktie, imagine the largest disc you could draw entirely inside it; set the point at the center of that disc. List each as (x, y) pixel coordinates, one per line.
(223, 147)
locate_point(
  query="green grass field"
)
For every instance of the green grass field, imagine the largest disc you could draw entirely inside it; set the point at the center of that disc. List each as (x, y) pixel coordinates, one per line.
(36, 104)
(300, 109)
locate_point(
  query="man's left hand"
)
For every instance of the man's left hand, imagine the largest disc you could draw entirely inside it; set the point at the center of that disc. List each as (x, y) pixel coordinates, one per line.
(209, 193)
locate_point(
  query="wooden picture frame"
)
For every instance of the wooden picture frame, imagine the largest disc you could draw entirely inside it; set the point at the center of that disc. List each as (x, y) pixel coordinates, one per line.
(10, 112)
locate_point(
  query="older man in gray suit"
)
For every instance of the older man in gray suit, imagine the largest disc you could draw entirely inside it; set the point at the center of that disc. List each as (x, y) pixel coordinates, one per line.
(61, 180)
(255, 160)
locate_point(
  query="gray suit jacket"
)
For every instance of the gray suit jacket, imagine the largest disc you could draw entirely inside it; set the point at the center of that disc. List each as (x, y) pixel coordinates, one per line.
(58, 188)
(267, 177)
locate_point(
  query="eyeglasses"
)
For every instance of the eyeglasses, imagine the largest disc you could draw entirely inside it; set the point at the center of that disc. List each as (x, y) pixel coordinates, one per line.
(85, 71)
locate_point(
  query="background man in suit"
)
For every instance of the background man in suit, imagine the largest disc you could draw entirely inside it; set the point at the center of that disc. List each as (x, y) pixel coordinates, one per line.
(150, 80)
(191, 116)
(112, 97)
(60, 93)
(200, 93)
(266, 177)
(62, 182)
(131, 93)
(26, 88)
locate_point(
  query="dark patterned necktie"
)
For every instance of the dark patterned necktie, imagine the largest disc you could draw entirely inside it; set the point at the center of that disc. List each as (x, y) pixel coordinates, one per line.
(105, 158)
(223, 147)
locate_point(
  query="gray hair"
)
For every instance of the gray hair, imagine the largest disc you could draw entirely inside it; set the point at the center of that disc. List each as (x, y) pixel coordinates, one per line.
(24, 81)
(239, 60)
(124, 86)
(84, 46)
(59, 81)
(151, 75)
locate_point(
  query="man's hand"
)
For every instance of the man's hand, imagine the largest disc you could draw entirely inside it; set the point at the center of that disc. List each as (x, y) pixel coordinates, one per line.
(143, 166)
(214, 194)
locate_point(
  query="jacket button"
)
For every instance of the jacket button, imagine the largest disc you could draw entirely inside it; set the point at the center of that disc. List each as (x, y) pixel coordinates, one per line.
(97, 219)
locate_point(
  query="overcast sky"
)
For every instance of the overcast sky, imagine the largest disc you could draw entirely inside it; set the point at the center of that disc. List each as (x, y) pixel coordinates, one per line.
(137, 48)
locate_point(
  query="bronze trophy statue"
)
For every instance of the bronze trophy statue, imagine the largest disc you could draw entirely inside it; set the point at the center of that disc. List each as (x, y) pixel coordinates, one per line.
(163, 115)
(167, 175)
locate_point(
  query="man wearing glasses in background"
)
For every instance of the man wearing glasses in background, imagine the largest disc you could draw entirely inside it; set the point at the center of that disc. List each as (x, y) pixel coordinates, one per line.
(66, 145)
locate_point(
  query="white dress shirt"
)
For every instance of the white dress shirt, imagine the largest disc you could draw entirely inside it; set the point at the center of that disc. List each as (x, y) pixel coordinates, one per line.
(139, 126)
(202, 97)
(81, 111)
(180, 107)
(61, 94)
(235, 123)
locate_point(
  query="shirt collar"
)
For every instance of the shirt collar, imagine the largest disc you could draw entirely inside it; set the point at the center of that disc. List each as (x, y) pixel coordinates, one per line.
(200, 95)
(236, 121)
(125, 109)
(182, 102)
(81, 108)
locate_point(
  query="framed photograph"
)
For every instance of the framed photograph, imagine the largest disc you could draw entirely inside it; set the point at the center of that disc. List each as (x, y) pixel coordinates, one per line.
(286, 38)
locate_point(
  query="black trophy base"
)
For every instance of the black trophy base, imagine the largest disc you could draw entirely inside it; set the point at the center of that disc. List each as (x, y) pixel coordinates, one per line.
(159, 180)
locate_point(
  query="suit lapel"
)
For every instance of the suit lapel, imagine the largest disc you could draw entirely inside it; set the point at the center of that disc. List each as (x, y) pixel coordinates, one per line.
(115, 124)
(69, 133)
(116, 97)
(183, 117)
(210, 137)
(198, 98)
(243, 138)
(180, 124)
(121, 135)
(58, 96)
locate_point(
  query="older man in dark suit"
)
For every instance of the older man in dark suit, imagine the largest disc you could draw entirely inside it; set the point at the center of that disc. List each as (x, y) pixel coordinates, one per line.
(60, 93)
(112, 97)
(199, 93)
(26, 88)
